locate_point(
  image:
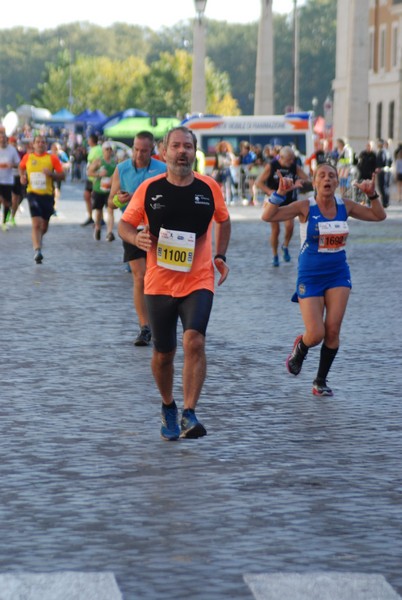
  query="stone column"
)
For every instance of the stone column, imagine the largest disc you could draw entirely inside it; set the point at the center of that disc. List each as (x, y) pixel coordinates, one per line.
(351, 80)
(198, 89)
(264, 76)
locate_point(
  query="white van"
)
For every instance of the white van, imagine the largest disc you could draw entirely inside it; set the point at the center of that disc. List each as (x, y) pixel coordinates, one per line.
(292, 129)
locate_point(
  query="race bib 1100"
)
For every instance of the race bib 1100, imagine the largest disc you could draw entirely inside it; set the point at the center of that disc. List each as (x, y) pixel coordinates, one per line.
(175, 249)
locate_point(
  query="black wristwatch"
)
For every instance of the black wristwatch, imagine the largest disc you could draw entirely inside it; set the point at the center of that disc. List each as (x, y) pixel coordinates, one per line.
(374, 196)
(222, 256)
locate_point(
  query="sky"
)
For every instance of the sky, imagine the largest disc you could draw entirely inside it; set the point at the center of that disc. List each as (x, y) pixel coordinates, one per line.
(48, 14)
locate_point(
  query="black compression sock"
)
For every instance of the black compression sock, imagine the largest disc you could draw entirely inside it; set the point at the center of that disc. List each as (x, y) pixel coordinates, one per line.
(327, 356)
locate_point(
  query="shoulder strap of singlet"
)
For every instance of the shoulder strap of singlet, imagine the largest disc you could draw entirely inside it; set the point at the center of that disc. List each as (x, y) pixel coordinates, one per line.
(339, 200)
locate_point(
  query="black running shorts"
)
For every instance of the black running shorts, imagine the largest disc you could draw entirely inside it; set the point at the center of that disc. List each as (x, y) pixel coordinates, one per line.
(164, 311)
(132, 252)
(41, 205)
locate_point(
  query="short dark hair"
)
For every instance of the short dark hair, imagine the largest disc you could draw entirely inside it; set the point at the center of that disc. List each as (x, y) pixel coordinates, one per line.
(94, 137)
(183, 129)
(144, 135)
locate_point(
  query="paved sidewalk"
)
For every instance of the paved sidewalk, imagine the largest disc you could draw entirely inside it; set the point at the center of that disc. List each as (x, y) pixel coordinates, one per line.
(283, 483)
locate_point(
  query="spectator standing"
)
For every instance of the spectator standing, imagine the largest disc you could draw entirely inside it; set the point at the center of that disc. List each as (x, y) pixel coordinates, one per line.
(246, 161)
(78, 158)
(398, 173)
(199, 163)
(224, 159)
(382, 172)
(344, 164)
(317, 158)
(367, 162)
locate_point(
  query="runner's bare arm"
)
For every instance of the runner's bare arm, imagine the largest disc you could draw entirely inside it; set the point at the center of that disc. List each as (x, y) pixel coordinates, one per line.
(222, 237)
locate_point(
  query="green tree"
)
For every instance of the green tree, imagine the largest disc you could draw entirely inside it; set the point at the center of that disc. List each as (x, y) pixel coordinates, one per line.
(27, 54)
(219, 97)
(233, 50)
(97, 82)
(168, 86)
(317, 51)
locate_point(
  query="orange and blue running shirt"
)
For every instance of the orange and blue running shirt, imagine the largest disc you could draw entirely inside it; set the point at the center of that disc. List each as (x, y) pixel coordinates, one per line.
(189, 209)
(38, 182)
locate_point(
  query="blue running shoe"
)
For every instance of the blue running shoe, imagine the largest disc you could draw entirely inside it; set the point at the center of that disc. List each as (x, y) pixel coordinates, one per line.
(191, 428)
(286, 255)
(144, 337)
(38, 256)
(275, 261)
(170, 429)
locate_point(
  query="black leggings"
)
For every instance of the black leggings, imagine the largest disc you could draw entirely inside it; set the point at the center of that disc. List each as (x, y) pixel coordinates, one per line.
(194, 311)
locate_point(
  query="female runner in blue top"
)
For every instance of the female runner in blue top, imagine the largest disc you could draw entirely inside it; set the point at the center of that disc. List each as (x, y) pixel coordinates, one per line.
(323, 282)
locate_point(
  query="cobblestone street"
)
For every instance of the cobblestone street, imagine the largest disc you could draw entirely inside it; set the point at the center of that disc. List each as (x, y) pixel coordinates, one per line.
(284, 482)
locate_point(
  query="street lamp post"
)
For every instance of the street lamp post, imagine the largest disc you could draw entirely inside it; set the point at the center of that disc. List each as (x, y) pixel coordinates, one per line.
(314, 104)
(198, 89)
(295, 57)
(70, 81)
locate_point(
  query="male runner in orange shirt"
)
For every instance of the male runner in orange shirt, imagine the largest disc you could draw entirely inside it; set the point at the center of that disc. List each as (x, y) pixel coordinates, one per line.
(179, 209)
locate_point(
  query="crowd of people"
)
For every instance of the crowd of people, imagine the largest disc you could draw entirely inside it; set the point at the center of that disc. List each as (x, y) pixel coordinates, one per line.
(239, 173)
(175, 230)
(376, 158)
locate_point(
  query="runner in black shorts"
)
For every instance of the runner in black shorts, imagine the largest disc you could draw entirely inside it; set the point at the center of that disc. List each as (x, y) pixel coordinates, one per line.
(193, 310)
(132, 253)
(128, 175)
(180, 210)
(94, 153)
(268, 182)
(39, 170)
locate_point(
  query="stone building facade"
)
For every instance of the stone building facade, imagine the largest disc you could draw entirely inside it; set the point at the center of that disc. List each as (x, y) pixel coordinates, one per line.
(368, 82)
(385, 70)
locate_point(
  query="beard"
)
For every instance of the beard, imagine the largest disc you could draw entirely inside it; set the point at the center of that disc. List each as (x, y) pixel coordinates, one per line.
(180, 169)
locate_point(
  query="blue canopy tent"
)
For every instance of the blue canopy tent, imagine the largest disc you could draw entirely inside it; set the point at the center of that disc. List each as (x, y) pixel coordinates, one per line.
(96, 117)
(62, 116)
(94, 121)
(80, 121)
(82, 116)
(62, 119)
(89, 121)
